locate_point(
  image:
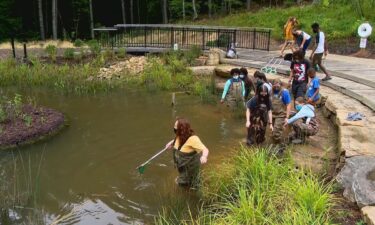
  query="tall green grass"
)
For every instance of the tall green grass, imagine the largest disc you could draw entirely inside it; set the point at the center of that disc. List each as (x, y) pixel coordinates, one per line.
(256, 187)
(339, 19)
(65, 78)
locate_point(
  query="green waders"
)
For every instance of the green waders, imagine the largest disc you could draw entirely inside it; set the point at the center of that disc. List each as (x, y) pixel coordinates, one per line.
(278, 117)
(188, 166)
(256, 133)
(234, 96)
(301, 130)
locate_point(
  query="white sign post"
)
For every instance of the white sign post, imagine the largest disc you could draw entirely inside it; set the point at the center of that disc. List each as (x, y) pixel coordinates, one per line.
(364, 31)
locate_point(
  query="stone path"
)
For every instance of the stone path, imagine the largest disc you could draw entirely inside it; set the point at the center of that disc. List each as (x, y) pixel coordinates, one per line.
(352, 76)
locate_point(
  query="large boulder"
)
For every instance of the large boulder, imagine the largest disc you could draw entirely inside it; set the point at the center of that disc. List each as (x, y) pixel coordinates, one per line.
(358, 179)
(214, 57)
(223, 71)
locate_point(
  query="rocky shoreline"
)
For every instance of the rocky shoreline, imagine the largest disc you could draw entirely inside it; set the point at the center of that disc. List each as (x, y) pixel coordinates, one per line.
(37, 123)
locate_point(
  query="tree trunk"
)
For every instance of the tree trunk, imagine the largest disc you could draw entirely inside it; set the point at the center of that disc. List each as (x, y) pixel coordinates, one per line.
(41, 22)
(248, 4)
(183, 10)
(91, 20)
(54, 19)
(123, 11)
(165, 11)
(139, 16)
(230, 6)
(131, 12)
(195, 14)
(209, 8)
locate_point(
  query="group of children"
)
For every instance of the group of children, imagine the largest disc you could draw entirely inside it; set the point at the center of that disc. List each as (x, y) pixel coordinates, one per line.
(272, 103)
(300, 40)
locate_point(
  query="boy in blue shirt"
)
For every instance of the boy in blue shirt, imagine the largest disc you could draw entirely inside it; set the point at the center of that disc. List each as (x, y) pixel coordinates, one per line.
(281, 105)
(313, 95)
(234, 90)
(304, 122)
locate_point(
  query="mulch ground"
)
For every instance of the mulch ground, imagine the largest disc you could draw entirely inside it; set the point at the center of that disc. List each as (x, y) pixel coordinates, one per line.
(37, 123)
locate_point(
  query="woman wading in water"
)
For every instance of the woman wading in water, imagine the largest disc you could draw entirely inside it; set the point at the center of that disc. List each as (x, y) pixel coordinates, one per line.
(188, 153)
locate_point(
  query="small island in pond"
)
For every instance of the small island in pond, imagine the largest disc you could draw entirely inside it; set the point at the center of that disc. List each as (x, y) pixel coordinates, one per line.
(22, 124)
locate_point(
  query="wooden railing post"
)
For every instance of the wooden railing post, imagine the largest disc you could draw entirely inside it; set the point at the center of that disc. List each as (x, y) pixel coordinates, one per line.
(254, 38)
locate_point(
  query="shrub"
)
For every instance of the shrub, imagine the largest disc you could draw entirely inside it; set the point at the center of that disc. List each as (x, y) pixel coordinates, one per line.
(94, 47)
(78, 43)
(69, 53)
(51, 51)
(121, 53)
(156, 76)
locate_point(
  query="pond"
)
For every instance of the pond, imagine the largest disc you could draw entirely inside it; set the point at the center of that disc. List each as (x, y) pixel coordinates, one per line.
(86, 174)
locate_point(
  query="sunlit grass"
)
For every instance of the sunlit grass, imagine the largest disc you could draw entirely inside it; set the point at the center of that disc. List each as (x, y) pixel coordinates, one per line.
(256, 187)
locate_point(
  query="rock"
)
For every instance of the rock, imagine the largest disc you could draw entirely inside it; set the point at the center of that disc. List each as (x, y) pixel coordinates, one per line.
(358, 179)
(134, 65)
(213, 58)
(223, 71)
(368, 213)
(203, 70)
(356, 141)
(201, 61)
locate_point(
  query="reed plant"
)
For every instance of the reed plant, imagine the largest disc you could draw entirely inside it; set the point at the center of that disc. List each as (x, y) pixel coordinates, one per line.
(257, 187)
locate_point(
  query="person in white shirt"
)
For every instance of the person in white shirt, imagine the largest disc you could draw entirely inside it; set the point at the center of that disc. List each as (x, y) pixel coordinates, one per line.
(302, 39)
(319, 49)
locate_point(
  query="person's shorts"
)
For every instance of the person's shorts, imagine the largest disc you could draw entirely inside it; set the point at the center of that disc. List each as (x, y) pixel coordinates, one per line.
(298, 89)
(317, 58)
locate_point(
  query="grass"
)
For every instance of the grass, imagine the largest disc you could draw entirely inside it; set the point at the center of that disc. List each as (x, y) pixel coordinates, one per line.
(256, 187)
(167, 72)
(19, 191)
(337, 20)
(65, 78)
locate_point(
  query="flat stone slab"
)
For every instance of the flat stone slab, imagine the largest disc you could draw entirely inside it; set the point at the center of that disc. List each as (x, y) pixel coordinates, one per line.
(368, 213)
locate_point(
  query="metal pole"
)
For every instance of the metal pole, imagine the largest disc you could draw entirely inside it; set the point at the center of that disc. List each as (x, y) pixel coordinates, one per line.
(24, 51)
(13, 49)
(203, 39)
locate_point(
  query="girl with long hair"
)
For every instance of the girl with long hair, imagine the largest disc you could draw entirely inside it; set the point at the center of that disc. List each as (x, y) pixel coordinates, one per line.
(188, 153)
(258, 113)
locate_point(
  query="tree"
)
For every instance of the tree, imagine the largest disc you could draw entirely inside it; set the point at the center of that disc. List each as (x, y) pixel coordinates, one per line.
(195, 14)
(54, 19)
(131, 12)
(248, 4)
(91, 20)
(165, 11)
(123, 11)
(209, 8)
(41, 22)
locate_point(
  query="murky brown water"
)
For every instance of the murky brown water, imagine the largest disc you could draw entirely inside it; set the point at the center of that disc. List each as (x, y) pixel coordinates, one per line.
(87, 173)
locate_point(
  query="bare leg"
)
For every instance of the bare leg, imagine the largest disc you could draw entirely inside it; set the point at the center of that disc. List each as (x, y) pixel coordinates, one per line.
(283, 48)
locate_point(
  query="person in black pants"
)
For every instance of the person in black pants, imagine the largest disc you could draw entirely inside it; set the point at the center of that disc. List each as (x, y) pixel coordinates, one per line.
(298, 74)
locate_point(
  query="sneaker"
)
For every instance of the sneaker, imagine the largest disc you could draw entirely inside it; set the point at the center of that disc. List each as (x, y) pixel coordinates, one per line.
(297, 141)
(327, 78)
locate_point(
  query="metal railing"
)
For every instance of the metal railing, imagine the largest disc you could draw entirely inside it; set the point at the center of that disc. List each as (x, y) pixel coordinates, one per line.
(167, 36)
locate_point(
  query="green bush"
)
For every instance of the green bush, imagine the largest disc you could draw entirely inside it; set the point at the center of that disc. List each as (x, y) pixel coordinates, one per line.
(51, 51)
(121, 53)
(94, 47)
(156, 76)
(69, 53)
(78, 43)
